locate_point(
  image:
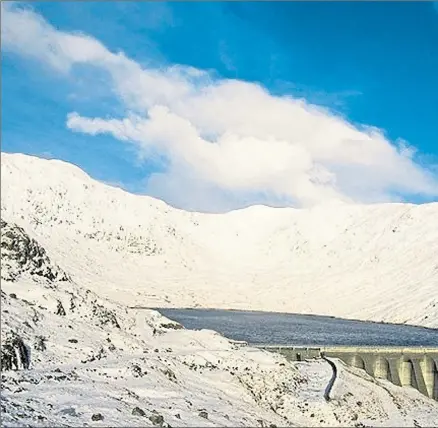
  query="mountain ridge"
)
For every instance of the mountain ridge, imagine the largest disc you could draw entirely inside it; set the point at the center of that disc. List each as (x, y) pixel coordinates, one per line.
(372, 262)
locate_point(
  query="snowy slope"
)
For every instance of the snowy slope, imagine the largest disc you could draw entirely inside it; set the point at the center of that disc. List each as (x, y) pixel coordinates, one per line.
(85, 361)
(376, 262)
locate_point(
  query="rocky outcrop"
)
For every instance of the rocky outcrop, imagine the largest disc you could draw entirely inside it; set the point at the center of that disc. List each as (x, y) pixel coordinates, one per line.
(15, 354)
(21, 254)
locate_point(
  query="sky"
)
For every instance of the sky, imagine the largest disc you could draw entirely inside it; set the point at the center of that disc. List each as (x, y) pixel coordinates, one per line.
(219, 105)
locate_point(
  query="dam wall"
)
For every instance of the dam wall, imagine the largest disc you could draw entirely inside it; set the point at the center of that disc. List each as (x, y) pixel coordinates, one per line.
(406, 367)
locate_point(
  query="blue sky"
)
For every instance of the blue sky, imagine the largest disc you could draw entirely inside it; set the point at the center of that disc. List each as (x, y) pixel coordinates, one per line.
(371, 63)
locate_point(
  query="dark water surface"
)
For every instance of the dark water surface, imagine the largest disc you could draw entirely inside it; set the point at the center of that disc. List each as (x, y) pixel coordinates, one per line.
(269, 328)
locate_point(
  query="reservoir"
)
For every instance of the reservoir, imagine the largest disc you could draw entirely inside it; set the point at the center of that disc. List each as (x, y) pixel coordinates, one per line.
(269, 328)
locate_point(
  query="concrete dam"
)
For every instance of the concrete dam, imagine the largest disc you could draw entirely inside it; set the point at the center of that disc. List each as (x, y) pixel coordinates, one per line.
(414, 367)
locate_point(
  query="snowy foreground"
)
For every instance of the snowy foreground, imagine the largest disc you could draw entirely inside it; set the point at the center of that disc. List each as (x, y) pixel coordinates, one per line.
(371, 262)
(77, 256)
(85, 361)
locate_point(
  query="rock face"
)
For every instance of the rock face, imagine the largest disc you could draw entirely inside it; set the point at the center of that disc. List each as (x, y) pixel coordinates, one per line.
(15, 354)
(22, 254)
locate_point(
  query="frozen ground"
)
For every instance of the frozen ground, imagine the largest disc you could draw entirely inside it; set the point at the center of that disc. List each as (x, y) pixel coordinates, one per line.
(81, 358)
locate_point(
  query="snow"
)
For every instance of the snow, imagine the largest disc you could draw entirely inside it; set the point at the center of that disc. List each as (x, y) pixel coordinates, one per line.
(77, 256)
(173, 373)
(371, 262)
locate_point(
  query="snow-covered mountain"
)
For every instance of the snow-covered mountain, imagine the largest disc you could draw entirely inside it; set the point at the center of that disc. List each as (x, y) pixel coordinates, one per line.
(72, 358)
(377, 262)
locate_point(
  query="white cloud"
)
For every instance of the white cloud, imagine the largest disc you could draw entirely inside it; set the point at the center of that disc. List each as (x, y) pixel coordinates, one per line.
(226, 140)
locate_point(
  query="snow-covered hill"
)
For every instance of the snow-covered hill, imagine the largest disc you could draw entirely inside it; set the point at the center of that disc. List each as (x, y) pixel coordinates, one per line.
(377, 262)
(72, 358)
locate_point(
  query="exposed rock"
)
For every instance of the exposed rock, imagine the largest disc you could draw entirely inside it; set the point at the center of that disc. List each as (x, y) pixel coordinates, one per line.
(104, 315)
(69, 411)
(203, 414)
(170, 374)
(21, 254)
(93, 357)
(137, 371)
(136, 411)
(60, 309)
(172, 326)
(157, 419)
(97, 417)
(40, 343)
(15, 354)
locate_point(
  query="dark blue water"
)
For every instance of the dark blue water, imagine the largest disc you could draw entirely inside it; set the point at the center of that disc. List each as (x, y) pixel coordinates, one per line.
(268, 328)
